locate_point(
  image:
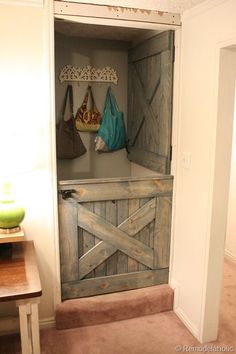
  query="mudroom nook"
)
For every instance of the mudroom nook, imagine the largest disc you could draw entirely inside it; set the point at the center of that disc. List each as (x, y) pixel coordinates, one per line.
(100, 273)
(115, 207)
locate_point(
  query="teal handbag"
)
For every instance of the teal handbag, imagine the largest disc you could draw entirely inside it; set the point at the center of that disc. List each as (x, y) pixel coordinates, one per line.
(111, 134)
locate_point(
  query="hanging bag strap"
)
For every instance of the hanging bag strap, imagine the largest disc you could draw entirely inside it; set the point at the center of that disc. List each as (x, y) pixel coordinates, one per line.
(90, 92)
(111, 102)
(68, 95)
(85, 100)
(107, 106)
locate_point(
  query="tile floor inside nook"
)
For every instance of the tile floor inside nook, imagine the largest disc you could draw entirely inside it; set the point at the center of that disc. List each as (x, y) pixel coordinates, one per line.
(161, 333)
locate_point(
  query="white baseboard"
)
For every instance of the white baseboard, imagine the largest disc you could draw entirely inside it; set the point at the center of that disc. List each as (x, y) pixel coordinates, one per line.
(184, 318)
(176, 287)
(47, 323)
(230, 255)
(9, 325)
(179, 312)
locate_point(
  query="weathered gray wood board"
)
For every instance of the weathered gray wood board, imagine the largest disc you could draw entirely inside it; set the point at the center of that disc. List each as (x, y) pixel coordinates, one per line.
(118, 188)
(150, 87)
(114, 283)
(68, 240)
(117, 243)
(131, 226)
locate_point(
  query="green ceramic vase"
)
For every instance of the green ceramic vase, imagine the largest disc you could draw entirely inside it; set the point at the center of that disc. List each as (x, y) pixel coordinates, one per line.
(11, 214)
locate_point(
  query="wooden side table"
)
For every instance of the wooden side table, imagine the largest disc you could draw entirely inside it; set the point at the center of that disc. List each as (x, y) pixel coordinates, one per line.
(20, 282)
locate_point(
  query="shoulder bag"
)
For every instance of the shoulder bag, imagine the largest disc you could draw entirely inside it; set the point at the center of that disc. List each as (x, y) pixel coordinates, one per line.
(68, 141)
(88, 120)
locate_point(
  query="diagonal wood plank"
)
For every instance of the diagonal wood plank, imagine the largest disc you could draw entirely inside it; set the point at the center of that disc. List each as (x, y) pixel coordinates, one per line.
(131, 226)
(154, 161)
(146, 108)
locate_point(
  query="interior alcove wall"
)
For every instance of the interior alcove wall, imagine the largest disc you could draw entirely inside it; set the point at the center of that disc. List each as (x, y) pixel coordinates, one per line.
(98, 53)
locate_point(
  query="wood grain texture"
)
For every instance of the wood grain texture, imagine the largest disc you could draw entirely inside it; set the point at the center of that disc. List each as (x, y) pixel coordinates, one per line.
(69, 254)
(122, 215)
(131, 226)
(111, 216)
(144, 233)
(150, 102)
(120, 236)
(19, 276)
(117, 190)
(152, 160)
(114, 236)
(100, 210)
(69, 184)
(120, 282)
(88, 240)
(145, 107)
(152, 46)
(133, 207)
(162, 232)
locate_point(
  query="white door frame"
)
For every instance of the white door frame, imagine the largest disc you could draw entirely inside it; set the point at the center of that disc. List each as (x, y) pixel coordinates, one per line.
(220, 195)
(122, 23)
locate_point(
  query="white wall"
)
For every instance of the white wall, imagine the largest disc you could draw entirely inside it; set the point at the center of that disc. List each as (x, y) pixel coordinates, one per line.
(26, 127)
(98, 53)
(230, 107)
(202, 189)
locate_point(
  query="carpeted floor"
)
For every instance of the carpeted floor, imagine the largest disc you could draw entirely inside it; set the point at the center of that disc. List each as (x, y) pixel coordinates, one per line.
(161, 333)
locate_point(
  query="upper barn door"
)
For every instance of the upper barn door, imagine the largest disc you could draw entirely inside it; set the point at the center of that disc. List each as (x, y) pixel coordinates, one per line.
(150, 102)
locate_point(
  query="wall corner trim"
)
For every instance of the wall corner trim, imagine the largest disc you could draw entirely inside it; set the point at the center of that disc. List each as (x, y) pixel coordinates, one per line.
(175, 285)
(186, 321)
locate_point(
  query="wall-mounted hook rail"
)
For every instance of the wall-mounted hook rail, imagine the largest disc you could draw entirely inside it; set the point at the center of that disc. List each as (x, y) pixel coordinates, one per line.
(88, 74)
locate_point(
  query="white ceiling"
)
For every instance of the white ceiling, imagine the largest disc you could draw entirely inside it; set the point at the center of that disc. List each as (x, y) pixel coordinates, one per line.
(120, 33)
(175, 6)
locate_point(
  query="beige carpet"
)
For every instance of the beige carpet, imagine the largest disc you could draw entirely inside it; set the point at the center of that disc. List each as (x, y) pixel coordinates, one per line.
(114, 307)
(161, 333)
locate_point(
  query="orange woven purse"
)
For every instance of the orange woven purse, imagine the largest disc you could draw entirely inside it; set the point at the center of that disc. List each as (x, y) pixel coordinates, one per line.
(88, 120)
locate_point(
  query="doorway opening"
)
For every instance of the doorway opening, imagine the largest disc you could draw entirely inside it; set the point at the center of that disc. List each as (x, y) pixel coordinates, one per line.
(102, 206)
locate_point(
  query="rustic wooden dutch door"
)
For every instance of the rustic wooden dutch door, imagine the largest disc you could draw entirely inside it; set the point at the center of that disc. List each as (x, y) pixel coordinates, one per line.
(114, 234)
(150, 89)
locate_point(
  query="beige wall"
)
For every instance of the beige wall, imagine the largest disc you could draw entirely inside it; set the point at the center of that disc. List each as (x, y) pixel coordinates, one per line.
(229, 96)
(26, 130)
(202, 189)
(98, 53)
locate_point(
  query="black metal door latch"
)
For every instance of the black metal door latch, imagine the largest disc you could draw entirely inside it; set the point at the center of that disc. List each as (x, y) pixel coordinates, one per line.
(67, 193)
